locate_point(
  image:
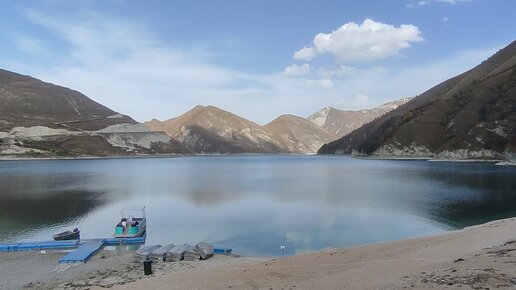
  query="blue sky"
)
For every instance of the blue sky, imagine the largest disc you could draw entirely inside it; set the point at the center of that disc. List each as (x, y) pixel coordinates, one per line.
(258, 59)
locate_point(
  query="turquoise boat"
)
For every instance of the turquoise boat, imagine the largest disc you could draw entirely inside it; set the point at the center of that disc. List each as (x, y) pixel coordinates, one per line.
(133, 222)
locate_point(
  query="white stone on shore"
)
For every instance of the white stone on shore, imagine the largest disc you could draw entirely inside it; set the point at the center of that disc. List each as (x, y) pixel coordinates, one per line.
(135, 140)
(124, 128)
(38, 131)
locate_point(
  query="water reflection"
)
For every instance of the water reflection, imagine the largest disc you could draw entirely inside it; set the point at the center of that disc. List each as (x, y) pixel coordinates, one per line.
(254, 203)
(23, 213)
(474, 193)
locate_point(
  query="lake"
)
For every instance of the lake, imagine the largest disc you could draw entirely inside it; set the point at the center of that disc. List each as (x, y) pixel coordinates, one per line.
(254, 204)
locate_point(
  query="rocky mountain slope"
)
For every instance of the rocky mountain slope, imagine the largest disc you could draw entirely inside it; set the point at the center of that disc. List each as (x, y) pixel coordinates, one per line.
(212, 130)
(472, 115)
(342, 122)
(208, 129)
(45, 120)
(298, 134)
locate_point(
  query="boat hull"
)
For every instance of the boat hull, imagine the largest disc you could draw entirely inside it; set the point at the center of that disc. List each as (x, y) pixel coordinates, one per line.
(68, 235)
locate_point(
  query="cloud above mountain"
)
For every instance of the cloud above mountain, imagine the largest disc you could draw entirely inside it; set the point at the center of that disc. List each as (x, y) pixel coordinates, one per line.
(427, 2)
(367, 41)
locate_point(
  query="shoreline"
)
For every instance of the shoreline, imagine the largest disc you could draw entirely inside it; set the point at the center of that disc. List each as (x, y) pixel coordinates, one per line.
(502, 162)
(448, 260)
(499, 162)
(14, 158)
(152, 156)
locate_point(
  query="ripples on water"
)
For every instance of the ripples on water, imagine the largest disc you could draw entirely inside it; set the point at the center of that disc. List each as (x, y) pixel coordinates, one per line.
(254, 204)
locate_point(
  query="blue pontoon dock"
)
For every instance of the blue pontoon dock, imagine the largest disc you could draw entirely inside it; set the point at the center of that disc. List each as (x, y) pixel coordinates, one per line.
(47, 245)
(84, 249)
(83, 253)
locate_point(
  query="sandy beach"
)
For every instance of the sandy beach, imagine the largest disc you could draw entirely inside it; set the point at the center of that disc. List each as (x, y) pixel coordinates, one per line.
(478, 257)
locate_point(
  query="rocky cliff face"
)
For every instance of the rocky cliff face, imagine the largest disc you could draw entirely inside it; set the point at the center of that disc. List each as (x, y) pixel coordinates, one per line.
(341, 122)
(472, 115)
(39, 119)
(299, 135)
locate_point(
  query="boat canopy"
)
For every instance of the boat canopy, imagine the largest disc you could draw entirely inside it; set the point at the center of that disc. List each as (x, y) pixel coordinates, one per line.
(132, 209)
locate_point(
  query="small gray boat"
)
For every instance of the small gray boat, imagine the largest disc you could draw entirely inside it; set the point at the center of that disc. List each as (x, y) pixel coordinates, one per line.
(68, 235)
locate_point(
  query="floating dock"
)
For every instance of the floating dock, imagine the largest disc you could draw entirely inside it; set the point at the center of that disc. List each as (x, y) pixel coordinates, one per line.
(47, 245)
(70, 244)
(90, 247)
(85, 249)
(83, 253)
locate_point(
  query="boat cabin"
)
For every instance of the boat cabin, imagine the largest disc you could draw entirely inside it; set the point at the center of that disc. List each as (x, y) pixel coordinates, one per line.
(132, 222)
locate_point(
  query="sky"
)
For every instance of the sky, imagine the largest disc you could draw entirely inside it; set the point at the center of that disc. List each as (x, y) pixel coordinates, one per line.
(258, 59)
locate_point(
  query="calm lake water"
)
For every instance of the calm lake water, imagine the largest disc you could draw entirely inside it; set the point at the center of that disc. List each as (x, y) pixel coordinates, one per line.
(254, 204)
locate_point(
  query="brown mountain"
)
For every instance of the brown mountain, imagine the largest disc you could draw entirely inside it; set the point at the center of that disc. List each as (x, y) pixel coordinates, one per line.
(472, 115)
(341, 122)
(43, 119)
(26, 102)
(298, 134)
(212, 130)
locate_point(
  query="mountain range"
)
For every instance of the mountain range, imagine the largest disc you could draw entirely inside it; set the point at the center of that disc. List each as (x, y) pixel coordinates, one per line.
(208, 130)
(470, 116)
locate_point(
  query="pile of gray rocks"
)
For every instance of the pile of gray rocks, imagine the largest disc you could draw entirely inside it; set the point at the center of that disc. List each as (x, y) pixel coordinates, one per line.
(173, 253)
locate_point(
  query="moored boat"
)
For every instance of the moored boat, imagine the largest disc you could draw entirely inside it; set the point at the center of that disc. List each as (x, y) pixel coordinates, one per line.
(133, 222)
(68, 235)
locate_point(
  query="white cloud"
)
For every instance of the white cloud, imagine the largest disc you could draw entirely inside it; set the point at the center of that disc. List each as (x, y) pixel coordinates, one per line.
(306, 53)
(427, 2)
(361, 42)
(297, 70)
(452, 1)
